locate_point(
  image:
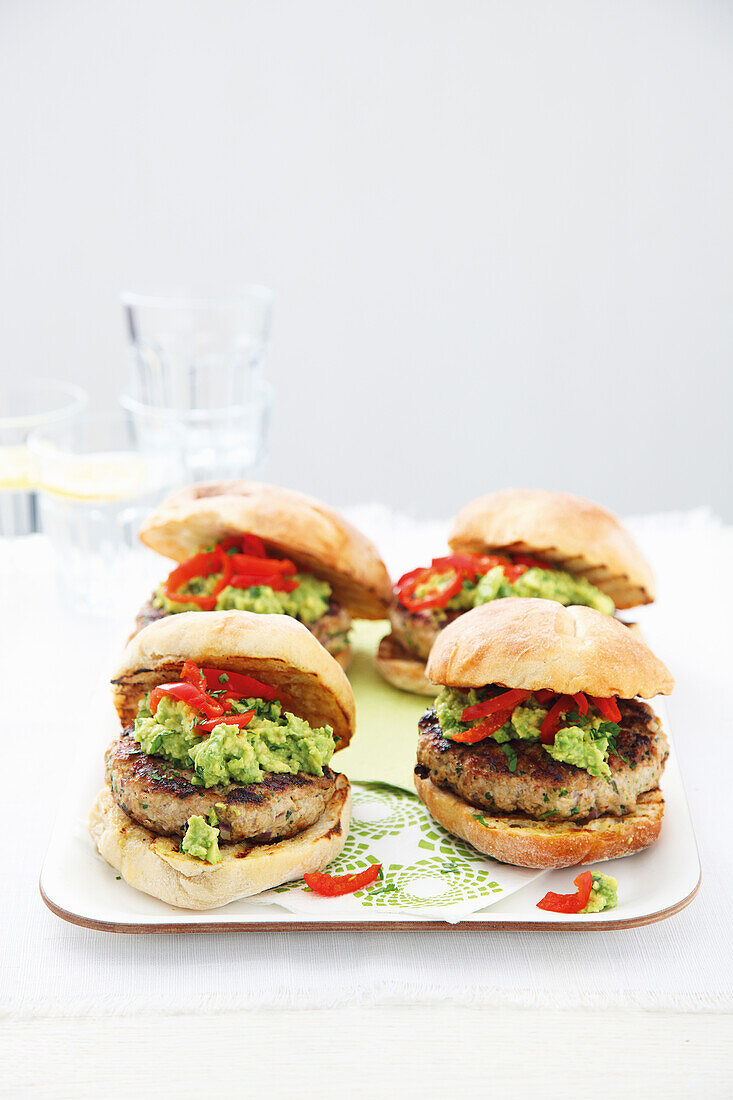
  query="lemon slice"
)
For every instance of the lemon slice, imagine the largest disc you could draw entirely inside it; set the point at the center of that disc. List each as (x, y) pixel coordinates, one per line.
(98, 477)
(16, 468)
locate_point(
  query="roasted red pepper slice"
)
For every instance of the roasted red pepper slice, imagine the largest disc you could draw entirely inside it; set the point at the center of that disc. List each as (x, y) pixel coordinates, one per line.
(483, 730)
(569, 903)
(581, 702)
(608, 707)
(200, 565)
(335, 886)
(548, 729)
(530, 563)
(407, 585)
(192, 674)
(244, 544)
(246, 563)
(186, 693)
(236, 683)
(508, 700)
(225, 720)
(543, 695)
(471, 565)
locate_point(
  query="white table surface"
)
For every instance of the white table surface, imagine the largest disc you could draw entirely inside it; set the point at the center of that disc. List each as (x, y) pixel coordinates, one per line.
(83, 995)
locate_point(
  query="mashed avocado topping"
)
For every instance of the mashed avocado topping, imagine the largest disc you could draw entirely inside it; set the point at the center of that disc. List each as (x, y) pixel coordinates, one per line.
(201, 840)
(581, 740)
(308, 602)
(603, 894)
(273, 741)
(546, 584)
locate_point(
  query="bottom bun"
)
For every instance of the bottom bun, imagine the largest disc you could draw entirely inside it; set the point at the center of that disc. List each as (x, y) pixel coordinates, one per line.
(401, 669)
(528, 843)
(155, 865)
(343, 657)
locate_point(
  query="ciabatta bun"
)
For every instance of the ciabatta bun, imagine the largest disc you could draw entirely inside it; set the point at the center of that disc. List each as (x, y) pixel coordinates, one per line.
(155, 865)
(401, 669)
(532, 644)
(567, 531)
(525, 842)
(291, 525)
(276, 649)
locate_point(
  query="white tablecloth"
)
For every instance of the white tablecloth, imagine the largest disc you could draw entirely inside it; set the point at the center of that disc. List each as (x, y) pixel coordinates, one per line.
(51, 661)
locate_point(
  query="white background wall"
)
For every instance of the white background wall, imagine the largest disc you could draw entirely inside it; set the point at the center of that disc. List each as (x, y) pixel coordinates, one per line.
(500, 233)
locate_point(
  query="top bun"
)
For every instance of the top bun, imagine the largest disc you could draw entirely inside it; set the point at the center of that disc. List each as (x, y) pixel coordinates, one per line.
(532, 644)
(276, 649)
(566, 530)
(290, 524)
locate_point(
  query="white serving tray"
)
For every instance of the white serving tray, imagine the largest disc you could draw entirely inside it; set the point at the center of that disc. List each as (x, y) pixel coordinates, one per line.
(78, 886)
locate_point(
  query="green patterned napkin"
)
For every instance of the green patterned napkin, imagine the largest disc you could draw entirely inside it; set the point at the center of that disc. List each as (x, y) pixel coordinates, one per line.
(426, 872)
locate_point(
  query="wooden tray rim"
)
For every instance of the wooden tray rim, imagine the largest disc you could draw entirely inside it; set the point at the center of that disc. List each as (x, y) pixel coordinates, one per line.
(487, 925)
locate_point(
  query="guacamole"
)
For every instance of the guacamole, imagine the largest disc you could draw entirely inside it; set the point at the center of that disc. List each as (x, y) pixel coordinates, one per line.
(273, 741)
(308, 602)
(583, 740)
(546, 584)
(603, 894)
(201, 841)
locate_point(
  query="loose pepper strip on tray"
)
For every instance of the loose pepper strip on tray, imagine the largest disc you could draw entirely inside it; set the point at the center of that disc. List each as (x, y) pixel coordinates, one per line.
(335, 886)
(569, 903)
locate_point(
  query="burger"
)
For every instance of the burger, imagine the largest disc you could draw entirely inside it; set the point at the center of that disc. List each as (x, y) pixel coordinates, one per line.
(540, 750)
(219, 785)
(520, 542)
(251, 547)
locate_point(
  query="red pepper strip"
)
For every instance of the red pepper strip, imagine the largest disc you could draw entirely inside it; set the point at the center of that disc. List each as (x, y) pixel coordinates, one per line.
(439, 598)
(187, 693)
(245, 544)
(237, 683)
(245, 563)
(569, 903)
(543, 695)
(531, 563)
(548, 729)
(582, 703)
(225, 720)
(200, 565)
(192, 674)
(471, 565)
(608, 707)
(514, 572)
(335, 886)
(508, 700)
(483, 730)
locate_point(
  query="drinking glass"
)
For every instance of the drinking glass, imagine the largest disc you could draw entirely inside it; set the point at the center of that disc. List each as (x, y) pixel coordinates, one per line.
(97, 481)
(23, 407)
(198, 363)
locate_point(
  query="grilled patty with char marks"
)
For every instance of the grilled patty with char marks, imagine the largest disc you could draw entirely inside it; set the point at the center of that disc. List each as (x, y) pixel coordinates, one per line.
(331, 629)
(417, 630)
(540, 786)
(160, 796)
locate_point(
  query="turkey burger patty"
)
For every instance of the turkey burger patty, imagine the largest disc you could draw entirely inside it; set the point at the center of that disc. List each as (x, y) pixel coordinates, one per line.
(539, 786)
(161, 797)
